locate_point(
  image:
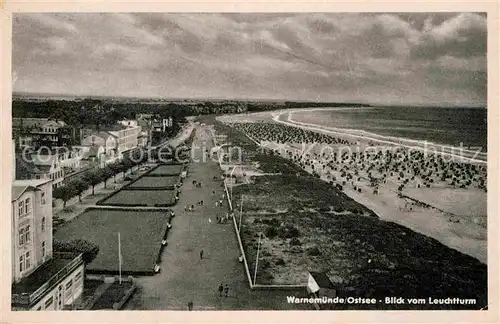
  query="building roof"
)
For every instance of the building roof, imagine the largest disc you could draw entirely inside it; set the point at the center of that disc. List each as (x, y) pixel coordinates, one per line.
(41, 275)
(113, 127)
(31, 182)
(21, 186)
(35, 122)
(92, 152)
(322, 280)
(101, 134)
(18, 190)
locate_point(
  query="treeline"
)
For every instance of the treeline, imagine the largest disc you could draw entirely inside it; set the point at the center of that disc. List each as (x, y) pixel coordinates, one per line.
(96, 176)
(91, 112)
(101, 112)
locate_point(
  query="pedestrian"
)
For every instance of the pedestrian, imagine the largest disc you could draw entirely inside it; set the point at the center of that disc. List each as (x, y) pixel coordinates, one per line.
(213, 192)
(202, 202)
(192, 207)
(218, 220)
(190, 305)
(216, 204)
(226, 291)
(201, 255)
(220, 202)
(221, 288)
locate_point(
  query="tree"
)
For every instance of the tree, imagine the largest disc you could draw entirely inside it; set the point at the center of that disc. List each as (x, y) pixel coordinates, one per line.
(88, 249)
(115, 168)
(79, 186)
(93, 177)
(64, 193)
(106, 174)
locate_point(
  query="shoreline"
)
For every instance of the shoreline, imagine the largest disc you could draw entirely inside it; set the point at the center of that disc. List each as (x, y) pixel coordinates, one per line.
(468, 156)
(461, 232)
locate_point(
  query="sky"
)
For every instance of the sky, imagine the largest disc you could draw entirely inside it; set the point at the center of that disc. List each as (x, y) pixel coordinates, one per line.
(378, 58)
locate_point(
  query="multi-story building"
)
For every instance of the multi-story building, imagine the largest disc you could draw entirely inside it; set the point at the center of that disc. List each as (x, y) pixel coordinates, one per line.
(39, 167)
(101, 146)
(41, 279)
(38, 132)
(126, 138)
(142, 139)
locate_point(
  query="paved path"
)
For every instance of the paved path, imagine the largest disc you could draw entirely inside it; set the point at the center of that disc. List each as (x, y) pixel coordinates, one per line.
(184, 277)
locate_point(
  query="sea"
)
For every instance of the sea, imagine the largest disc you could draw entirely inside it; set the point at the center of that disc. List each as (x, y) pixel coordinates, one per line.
(466, 127)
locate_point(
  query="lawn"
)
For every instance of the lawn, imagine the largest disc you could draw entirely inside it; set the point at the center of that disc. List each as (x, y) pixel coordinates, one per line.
(154, 182)
(141, 235)
(167, 169)
(149, 198)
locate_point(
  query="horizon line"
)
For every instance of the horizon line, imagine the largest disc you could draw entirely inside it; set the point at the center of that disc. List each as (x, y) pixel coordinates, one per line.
(444, 105)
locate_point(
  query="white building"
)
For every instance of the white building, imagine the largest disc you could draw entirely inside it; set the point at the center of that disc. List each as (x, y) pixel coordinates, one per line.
(41, 279)
(127, 138)
(103, 146)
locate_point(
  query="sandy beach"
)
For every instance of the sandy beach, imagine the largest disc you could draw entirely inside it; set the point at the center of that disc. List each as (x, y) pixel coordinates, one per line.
(440, 195)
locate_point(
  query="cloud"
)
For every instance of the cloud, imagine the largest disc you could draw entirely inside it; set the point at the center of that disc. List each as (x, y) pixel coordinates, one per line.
(303, 56)
(464, 35)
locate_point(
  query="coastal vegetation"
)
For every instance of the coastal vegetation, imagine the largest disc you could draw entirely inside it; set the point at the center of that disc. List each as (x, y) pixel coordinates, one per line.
(306, 223)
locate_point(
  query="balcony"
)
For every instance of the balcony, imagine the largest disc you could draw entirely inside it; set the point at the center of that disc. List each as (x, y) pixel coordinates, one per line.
(44, 279)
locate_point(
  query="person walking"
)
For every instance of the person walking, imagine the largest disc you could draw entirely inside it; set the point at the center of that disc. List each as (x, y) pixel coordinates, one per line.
(201, 255)
(190, 305)
(221, 288)
(226, 291)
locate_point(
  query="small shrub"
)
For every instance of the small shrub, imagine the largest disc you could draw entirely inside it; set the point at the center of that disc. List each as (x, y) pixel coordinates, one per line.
(271, 232)
(338, 209)
(280, 262)
(314, 251)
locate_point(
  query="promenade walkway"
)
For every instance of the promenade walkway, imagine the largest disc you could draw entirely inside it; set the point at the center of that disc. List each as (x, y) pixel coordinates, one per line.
(184, 276)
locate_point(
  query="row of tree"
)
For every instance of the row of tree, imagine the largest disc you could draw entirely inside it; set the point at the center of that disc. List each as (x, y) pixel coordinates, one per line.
(105, 112)
(94, 177)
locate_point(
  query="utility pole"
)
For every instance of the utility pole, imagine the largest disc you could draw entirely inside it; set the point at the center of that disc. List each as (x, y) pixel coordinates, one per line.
(257, 260)
(231, 176)
(119, 258)
(241, 213)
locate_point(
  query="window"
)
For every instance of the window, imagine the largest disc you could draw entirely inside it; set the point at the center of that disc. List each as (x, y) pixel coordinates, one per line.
(21, 236)
(49, 302)
(43, 249)
(28, 260)
(21, 208)
(37, 176)
(69, 284)
(78, 279)
(27, 205)
(43, 224)
(21, 263)
(24, 235)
